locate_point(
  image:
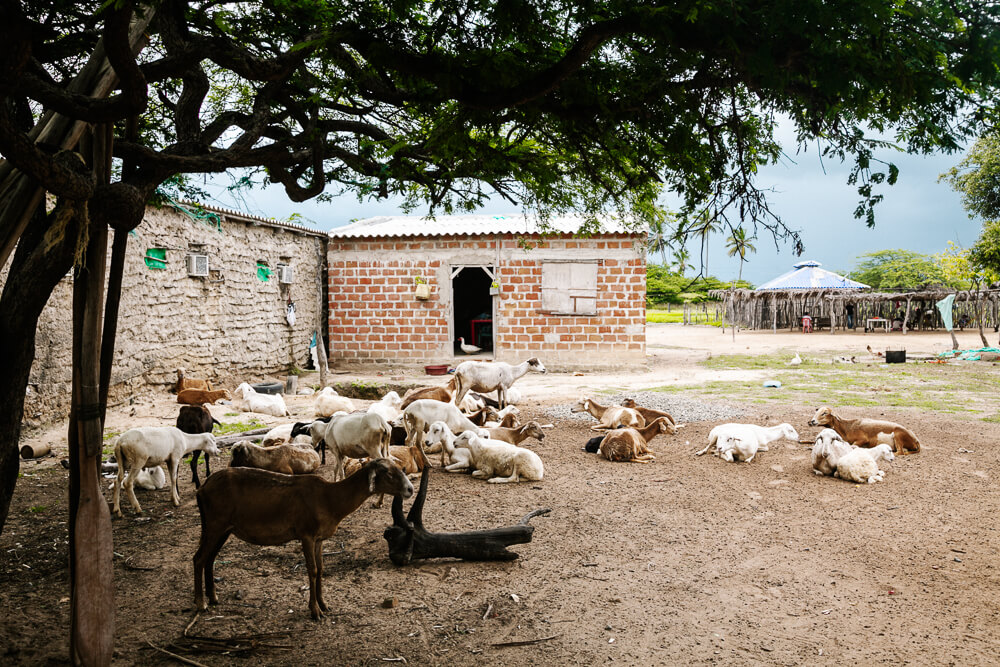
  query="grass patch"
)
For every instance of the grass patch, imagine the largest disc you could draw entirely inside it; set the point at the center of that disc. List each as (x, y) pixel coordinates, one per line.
(237, 427)
(993, 419)
(951, 389)
(37, 509)
(677, 317)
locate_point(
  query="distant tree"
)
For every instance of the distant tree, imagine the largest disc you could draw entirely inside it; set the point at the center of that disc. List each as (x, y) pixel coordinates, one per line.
(659, 240)
(977, 178)
(739, 244)
(898, 269)
(984, 255)
(681, 257)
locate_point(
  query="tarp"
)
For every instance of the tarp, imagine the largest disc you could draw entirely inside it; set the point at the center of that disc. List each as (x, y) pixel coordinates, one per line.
(808, 275)
(967, 355)
(944, 305)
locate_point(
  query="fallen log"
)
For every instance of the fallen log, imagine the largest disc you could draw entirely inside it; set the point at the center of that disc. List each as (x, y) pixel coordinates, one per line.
(409, 541)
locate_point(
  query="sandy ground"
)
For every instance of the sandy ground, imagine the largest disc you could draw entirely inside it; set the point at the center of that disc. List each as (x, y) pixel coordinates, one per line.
(684, 561)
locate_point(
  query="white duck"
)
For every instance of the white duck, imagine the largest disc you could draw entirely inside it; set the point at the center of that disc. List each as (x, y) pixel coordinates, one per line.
(796, 360)
(468, 349)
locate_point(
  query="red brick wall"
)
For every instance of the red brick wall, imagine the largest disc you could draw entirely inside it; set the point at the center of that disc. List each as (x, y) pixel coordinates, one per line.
(375, 317)
(618, 329)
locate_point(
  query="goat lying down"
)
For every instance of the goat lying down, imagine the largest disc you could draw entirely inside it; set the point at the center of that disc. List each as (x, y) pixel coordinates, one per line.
(832, 456)
(741, 442)
(868, 432)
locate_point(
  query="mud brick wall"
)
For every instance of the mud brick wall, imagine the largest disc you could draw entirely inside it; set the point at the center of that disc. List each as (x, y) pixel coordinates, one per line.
(227, 327)
(376, 319)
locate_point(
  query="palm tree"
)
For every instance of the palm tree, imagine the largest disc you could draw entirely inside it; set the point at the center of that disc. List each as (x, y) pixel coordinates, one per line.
(739, 244)
(710, 225)
(658, 242)
(681, 256)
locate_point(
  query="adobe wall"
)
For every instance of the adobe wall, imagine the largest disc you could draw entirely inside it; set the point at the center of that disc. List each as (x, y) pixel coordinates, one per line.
(375, 319)
(227, 327)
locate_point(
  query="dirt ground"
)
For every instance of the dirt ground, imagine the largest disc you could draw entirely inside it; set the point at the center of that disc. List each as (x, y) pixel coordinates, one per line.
(689, 560)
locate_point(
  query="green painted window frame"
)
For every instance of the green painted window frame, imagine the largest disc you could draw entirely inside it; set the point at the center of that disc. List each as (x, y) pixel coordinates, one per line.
(156, 258)
(263, 272)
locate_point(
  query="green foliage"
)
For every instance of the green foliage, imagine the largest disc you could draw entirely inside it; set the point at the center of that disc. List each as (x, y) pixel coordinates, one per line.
(898, 269)
(663, 286)
(232, 428)
(977, 178)
(984, 255)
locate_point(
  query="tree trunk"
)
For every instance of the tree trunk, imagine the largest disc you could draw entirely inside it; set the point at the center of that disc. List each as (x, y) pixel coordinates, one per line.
(409, 540)
(980, 315)
(39, 263)
(92, 612)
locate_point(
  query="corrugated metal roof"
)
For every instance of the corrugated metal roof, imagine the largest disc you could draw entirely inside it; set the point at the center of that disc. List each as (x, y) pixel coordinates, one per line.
(808, 275)
(254, 219)
(468, 225)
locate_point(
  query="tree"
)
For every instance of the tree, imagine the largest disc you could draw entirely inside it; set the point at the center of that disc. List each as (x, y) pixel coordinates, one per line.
(681, 257)
(596, 106)
(659, 240)
(984, 255)
(977, 178)
(739, 244)
(898, 269)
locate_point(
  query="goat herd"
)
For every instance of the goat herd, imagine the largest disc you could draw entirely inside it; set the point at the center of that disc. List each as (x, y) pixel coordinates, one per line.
(267, 497)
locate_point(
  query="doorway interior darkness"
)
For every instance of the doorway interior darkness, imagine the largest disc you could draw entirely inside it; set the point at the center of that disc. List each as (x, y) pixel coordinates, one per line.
(472, 306)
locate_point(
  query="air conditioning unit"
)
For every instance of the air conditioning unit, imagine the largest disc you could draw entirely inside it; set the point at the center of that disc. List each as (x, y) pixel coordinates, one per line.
(197, 265)
(285, 273)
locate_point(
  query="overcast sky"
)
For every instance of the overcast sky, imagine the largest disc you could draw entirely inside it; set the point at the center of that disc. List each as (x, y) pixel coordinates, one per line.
(918, 214)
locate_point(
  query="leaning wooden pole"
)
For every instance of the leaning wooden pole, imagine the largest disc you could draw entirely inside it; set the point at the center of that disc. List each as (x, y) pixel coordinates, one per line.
(91, 582)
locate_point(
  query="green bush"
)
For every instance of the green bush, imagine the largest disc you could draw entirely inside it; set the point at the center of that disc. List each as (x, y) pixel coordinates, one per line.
(663, 287)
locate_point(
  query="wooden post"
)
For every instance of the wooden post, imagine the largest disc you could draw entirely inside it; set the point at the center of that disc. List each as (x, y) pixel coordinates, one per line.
(906, 317)
(92, 612)
(321, 357)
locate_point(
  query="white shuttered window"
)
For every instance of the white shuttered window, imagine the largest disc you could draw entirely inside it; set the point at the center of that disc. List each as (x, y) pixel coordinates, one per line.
(569, 287)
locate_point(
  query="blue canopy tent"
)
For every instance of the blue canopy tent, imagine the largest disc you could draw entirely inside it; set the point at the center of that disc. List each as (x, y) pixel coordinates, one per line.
(783, 301)
(808, 276)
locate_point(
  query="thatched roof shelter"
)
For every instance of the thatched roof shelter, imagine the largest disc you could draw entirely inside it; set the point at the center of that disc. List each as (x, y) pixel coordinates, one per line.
(851, 309)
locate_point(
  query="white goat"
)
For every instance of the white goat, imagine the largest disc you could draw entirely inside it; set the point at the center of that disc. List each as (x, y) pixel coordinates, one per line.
(501, 462)
(752, 438)
(440, 434)
(513, 395)
(486, 376)
(388, 407)
(265, 404)
(148, 446)
(827, 450)
(861, 465)
(329, 401)
(355, 436)
(419, 415)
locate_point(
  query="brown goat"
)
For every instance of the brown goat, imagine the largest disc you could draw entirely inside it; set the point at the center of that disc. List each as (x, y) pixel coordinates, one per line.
(201, 396)
(286, 459)
(445, 394)
(609, 416)
(510, 420)
(630, 444)
(410, 460)
(649, 414)
(516, 436)
(868, 432)
(267, 508)
(191, 383)
(196, 419)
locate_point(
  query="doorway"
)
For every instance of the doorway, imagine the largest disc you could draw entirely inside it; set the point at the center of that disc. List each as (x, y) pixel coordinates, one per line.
(472, 308)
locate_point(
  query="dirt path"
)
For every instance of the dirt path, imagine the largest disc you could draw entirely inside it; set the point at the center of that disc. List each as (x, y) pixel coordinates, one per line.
(688, 560)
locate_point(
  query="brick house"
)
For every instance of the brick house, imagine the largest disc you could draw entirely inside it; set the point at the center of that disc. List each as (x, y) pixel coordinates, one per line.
(404, 289)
